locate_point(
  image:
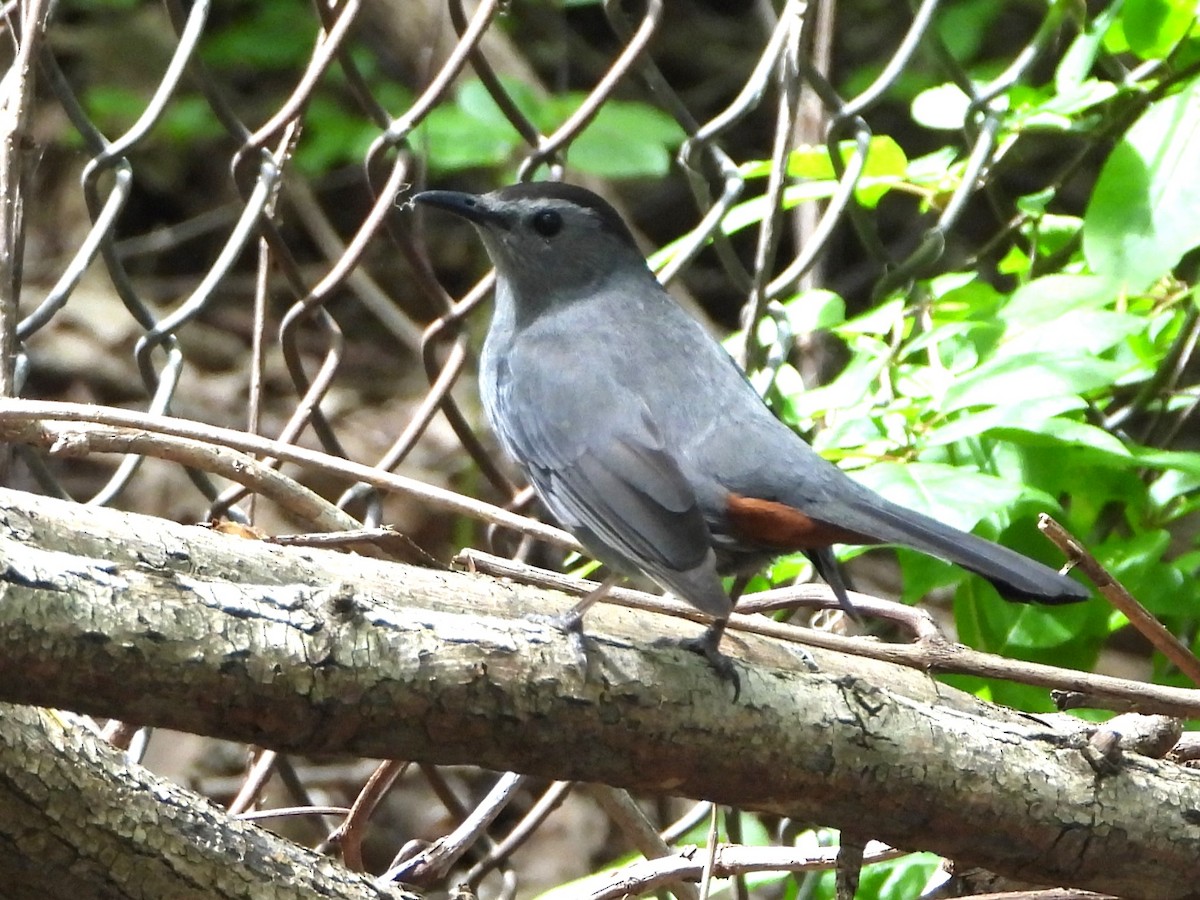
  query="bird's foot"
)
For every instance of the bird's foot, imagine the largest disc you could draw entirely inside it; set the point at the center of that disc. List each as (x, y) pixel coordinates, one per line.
(571, 626)
(570, 623)
(707, 645)
(807, 658)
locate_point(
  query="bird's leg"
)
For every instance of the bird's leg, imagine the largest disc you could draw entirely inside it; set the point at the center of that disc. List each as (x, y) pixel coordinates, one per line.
(570, 623)
(572, 619)
(708, 645)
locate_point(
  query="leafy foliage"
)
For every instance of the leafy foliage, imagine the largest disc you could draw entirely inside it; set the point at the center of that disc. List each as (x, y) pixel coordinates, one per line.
(625, 140)
(1043, 376)
(264, 45)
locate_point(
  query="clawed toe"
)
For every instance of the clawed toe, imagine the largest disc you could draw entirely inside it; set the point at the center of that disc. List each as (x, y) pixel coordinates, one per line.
(706, 646)
(571, 627)
(807, 658)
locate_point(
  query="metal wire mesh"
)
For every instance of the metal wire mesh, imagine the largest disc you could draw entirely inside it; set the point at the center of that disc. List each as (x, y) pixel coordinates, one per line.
(272, 246)
(303, 305)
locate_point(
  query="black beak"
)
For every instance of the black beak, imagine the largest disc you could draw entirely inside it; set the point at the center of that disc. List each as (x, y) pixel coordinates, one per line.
(471, 207)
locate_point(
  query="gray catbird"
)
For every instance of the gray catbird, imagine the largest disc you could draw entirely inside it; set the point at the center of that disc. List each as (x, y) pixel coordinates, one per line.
(645, 440)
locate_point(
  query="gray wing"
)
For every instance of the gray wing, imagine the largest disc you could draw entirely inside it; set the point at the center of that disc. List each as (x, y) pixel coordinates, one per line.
(602, 470)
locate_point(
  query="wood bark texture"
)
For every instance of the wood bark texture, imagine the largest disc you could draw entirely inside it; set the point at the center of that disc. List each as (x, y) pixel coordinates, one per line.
(312, 651)
(76, 822)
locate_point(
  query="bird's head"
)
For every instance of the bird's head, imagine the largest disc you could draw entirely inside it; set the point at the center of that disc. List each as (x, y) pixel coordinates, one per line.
(547, 239)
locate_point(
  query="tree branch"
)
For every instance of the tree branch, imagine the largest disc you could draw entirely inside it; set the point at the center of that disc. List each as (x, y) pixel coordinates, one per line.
(74, 820)
(312, 651)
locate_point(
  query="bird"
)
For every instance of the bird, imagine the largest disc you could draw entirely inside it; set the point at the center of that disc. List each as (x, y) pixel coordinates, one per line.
(642, 436)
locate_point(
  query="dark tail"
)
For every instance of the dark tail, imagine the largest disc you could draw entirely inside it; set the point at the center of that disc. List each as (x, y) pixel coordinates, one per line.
(1016, 577)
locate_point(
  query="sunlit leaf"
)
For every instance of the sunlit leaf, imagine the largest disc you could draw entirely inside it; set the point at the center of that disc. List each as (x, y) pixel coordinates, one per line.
(1022, 414)
(943, 108)
(952, 494)
(1030, 376)
(1142, 215)
(1154, 27)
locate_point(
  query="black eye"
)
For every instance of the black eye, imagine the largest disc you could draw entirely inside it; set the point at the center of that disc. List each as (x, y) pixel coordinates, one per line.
(546, 222)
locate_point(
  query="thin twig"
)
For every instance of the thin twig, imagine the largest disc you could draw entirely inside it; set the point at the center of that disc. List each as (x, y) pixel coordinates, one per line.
(349, 835)
(632, 822)
(25, 412)
(932, 652)
(1116, 594)
(650, 875)
(431, 865)
(256, 781)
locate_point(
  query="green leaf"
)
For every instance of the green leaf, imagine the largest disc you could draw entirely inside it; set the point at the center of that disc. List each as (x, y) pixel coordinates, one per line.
(1066, 431)
(965, 26)
(190, 118)
(847, 391)
(754, 210)
(611, 155)
(1030, 376)
(933, 168)
(1142, 215)
(811, 161)
(456, 140)
(921, 575)
(1174, 484)
(474, 99)
(1068, 636)
(334, 136)
(639, 121)
(1180, 460)
(1077, 62)
(1014, 262)
(1041, 108)
(1082, 331)
(884, 167)
(952, 494)
(1047, 298)
(1026, 627)
(114, 108)
(815, 310)
(1020, 414)
(272, 37)
(879, 320)
(1026, 697)
(1136, 561)
(626, 140)
(904, 877)
(1052, 232)
(1154, 27)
